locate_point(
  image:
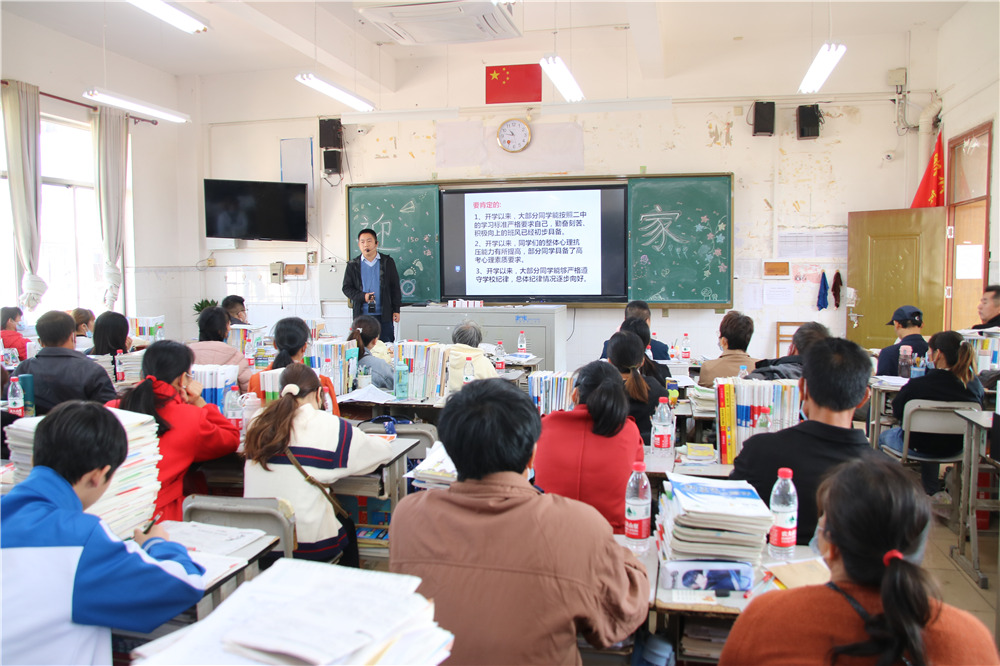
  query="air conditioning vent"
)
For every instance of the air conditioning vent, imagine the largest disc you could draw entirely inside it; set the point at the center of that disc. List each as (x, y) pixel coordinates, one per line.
(456, 22)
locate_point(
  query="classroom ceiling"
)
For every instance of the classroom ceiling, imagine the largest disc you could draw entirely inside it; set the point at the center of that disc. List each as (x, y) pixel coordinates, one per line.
(256, 36)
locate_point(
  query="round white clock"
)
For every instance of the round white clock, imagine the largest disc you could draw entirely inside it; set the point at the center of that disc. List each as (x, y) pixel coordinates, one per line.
(513, 135)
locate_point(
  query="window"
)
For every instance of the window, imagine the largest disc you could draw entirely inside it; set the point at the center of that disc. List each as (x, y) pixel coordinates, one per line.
(71, 257)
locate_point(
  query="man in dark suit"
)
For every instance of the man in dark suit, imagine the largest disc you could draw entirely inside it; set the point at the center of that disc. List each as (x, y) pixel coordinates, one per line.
(372, 284)
(834, 383)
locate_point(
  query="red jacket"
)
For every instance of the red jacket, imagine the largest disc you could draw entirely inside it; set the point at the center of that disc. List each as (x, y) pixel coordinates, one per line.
(196, 434)
(14, 340)
(574, 462)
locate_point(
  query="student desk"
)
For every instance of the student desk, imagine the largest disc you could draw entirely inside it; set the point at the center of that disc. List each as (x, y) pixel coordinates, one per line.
(973, 451)
(387, 482)
(881, 391)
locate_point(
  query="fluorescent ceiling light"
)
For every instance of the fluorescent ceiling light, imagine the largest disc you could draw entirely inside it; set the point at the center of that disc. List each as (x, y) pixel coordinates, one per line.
(398, 115)
(350, 99)
(827, 58)
(562, 78)
(171, 15)
(102, 96)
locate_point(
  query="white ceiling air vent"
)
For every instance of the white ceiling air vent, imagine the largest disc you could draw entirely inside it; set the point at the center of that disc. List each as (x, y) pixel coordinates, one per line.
(455, 22)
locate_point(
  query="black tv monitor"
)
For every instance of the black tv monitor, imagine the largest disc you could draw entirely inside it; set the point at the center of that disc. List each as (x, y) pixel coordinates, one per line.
(255, 210)
(543, 243)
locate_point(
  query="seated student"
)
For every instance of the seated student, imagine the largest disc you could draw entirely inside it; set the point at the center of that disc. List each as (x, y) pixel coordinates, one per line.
(514, 574)
(60, 372)
(190, 429)
(834, 382)
(989, 308)
(212, 349)
(235, 308)
(365, 331)
(84, 319)
(587, 453)
(790, 367)
(111, 335)
(880, 605)
(291, 339)
(83, 579)
(466, 338)
(640, 309)
(907, 321)
(644, 393)
(649, 367)
(295, 429)
(11, 328)
(950, 377)
(735, 331)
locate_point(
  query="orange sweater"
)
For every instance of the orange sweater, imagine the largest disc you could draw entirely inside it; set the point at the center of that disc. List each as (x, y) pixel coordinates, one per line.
(324, 382)
(800, 627)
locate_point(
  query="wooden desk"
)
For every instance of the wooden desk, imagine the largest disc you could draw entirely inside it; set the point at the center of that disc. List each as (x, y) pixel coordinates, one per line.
(974, 449)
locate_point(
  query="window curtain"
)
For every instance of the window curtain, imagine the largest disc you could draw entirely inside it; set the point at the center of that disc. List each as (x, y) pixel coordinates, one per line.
(22, 125)
(111, 154)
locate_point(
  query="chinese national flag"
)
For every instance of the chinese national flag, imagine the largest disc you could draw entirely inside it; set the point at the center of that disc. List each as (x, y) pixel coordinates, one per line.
(506, 84)
(931, 190)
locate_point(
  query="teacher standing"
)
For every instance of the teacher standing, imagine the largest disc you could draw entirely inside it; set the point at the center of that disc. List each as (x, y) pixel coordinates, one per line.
(372, 284)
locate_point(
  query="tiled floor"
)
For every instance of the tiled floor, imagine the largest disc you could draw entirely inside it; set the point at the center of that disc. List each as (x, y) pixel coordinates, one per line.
(957, 588)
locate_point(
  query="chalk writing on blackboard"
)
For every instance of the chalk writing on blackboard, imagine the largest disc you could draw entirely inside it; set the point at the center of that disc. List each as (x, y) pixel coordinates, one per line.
(656, 227)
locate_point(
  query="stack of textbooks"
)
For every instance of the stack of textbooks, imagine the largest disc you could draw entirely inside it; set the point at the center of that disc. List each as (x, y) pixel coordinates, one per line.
(343, 355)
(373, 541)
(435, 471)
(132, 366)
(550, 390)
(270, 384)
(740, 404)
(703, 400)
(216, 381)
(987, 348)
(427, 364)
(147, 328)
(247, 339)
(704, 638)
(710, 519)
(129, 500)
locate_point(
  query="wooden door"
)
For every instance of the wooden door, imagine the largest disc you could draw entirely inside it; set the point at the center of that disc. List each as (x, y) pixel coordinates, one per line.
(894, 258)
(968, 256)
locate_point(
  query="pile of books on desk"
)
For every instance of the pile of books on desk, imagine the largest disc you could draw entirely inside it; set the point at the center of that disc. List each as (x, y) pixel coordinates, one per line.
(129, 500)
(740, 404)
(427, 364)
(285, 615)
(703, 400)
(551, 390)
(217, 380)
(343, 355)
(435, 471)
(132, 365)
(710, 519)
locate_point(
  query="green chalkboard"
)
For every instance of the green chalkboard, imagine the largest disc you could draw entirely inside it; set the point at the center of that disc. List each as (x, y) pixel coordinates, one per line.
(406, 221)
(680, 240)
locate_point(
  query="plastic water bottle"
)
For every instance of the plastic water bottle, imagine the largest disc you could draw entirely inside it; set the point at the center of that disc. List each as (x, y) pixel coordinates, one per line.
(905, 360)
(764, 420)
(686, 348)
(251, 403)
(402, 386)
(15, 397)
(468, 372)
(119, 366)
(501, 356)
(638, 503)
(522, 343)
(327, 400)
(785, 515)
(327, 369)
(743, 372)
(662, 436)
(233, 408)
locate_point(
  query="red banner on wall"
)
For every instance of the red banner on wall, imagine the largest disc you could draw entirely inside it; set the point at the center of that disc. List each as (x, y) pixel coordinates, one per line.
(931, 190)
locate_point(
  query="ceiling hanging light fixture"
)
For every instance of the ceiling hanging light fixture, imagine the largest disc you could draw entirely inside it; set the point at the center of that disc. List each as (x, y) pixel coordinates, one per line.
(561, 78)
(102, 96)
(826, 59)
(170, 14)
(356, 102)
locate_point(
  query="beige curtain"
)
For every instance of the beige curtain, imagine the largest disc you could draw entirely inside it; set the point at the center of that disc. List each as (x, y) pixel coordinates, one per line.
(110, 131)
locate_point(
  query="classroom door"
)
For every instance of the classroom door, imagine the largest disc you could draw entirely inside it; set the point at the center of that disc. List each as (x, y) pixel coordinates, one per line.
(894, 258)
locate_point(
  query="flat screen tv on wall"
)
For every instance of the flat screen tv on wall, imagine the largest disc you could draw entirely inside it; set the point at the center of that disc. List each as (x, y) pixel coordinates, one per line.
(255, 210)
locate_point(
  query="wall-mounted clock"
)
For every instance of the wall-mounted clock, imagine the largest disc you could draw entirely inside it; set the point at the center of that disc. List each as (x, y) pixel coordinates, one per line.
(514, 135)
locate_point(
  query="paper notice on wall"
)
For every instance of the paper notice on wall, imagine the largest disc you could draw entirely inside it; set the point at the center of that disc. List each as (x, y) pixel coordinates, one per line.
(779, 294)
(753, 296)
(798, 245)
(968, 262)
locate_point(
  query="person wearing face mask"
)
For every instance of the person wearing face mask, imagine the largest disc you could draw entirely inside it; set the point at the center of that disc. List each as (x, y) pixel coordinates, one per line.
(735, 331)
(11, 331)
(834, 382)
(84, 319)
(880, 605)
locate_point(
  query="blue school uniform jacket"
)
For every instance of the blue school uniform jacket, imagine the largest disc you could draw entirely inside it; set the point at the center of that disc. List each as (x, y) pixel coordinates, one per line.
(67, 579)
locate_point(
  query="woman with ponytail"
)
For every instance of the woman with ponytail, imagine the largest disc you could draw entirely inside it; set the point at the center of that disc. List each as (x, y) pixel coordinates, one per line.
(365, 331)
(586, 454)
(294, 449)
(880, 606)
(950, 377)
(627, 353)
(190, 429)
(291, 339)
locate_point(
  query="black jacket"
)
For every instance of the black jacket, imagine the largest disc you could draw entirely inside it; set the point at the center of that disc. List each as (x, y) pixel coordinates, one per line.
(642, 412)
(810, 449)
(62, 374)
(940, 385)
(388, 286)
(988, 324)
(786, 367)
(888, 358)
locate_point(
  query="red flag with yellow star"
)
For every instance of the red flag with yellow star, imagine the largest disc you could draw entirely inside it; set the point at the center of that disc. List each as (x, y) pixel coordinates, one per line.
(506, 84)
(931, 190)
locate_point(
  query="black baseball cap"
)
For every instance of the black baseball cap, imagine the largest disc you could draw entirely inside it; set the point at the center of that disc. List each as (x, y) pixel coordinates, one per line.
(906, 313)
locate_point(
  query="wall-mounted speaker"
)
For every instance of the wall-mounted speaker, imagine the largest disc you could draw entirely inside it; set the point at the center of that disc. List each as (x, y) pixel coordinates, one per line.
(332, 161)
(331, 133)
(763, 118)
(809, 119)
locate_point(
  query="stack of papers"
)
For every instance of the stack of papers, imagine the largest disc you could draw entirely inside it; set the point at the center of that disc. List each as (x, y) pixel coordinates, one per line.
(369, 393)
(106, 362)
(551, 390)
(436, 471)
(703, 400)
(132, 363)
(285, 615)
(214, 547)
(704, 638)
(703, 518)
(129, 500)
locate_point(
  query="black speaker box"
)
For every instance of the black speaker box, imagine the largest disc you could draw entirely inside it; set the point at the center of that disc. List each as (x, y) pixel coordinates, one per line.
(331, 134)
(763, 118)
(331, 161)
(809, 119)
